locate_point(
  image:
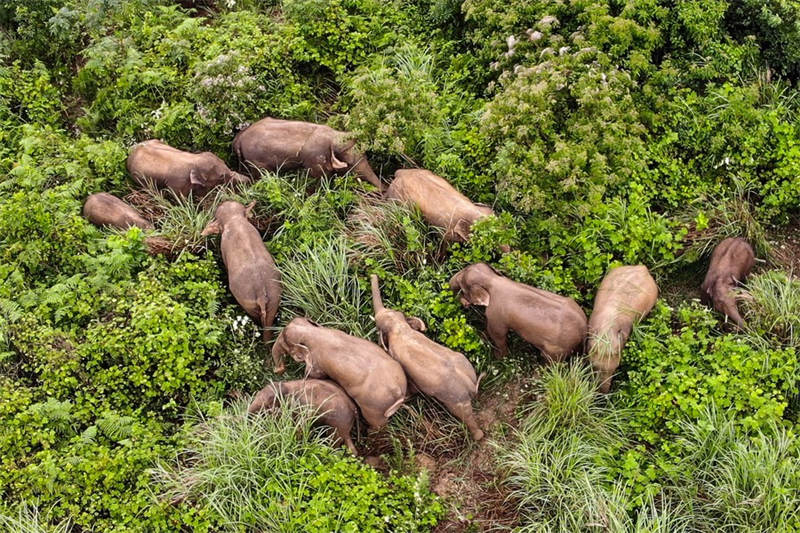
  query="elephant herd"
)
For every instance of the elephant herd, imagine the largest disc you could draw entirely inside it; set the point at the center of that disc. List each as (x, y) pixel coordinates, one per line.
(346, 374)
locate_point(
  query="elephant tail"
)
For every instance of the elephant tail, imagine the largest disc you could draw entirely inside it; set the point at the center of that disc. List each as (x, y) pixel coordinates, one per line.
(394, 407)
(478, 382)
(266, 333)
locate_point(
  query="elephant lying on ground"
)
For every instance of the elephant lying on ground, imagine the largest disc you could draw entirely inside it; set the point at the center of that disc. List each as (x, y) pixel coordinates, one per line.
(369, 375)
(440, 203)
(731, 262)
(554, 324)
(182, 172)
(103, 209)
(624, 297)
(432, 368)
(274, 144)
(253, 277)
(330, 403)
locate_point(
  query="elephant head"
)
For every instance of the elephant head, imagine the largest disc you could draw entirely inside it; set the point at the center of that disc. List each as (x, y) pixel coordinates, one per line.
(290, 342)
(389, 319)
(724, 300)
(344, 157)
(225, 212)
(472, 284)
(266, 398)
(605, 353)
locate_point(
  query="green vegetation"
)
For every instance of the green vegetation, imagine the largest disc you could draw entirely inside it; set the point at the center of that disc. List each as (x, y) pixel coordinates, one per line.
(602, 132)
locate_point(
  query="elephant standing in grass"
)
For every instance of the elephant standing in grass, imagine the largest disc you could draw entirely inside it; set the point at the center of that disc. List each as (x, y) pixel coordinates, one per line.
(556, 325)
(431, 368)
(275, 144)
(253, 277)
(624, 297)
(368, 374)
(330, 403)
(731, 263)
(182, 172)
(103, 209)
(439, 202)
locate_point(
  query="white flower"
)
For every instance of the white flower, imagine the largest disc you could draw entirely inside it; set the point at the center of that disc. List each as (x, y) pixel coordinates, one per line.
(230, 4)
(563, 50)
(511, 41)
(535, 35)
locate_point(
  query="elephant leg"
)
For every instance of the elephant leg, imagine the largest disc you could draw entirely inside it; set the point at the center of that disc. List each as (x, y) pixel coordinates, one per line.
(498, 333)
(344, 437)
(463, 411)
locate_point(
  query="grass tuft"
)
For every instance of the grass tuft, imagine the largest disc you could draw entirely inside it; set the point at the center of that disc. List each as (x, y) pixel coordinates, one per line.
(772, 307)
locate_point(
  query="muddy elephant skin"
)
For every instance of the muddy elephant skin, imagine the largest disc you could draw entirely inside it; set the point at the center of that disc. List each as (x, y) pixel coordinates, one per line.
(103, 209)
(625, 296)
(731, 263)
(275, 144)
(253, 277)
(330, 403)
(432, 368)
(438, 201)
(182, 172)
(368, 374)
(554, 324)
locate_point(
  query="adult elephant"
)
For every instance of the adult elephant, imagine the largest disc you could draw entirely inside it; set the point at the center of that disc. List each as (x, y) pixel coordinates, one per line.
(274, 144)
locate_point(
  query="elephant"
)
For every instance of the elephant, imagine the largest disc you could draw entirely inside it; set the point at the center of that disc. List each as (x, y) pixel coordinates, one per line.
(431, 368)
(253, 277)
(274, 144)
(181, 172)
(731, 263)
(554, 324)
(368, 374)
(103, 209)
(625, 296)
(330, 403)
(439, 202)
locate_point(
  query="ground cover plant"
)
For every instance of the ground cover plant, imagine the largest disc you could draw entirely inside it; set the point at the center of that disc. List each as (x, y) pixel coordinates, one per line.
(601, 132)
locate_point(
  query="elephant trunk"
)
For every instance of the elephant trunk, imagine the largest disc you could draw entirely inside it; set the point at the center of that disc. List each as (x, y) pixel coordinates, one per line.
(365, 172)
(238, 179)
(376, 295)
(279, 349)
(265, 399)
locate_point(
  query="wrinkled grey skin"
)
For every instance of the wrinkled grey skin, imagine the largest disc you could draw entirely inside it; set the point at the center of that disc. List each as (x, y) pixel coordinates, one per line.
(432, 368)
(103, 209)
(624, 297)
(253, 277)
(182, 172)
(274, 144)
(438, 201)
(731, 262)
(554, 324)
(333, 407)
(369, 375)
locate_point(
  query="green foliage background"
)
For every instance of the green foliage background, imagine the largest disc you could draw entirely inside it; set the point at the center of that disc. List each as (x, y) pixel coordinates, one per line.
(602, 132)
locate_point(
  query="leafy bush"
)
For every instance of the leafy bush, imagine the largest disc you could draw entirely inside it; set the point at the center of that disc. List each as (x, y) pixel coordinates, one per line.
(266, 472)
(677, 366)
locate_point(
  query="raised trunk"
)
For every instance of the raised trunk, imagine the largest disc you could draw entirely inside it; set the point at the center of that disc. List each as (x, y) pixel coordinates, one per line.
(376, 295)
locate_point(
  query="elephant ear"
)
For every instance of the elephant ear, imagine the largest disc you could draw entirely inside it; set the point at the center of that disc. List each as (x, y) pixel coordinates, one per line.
(416, 323)
(478, 295)
(336, 163)
(195, 178)
(462, 229)
(299, 352)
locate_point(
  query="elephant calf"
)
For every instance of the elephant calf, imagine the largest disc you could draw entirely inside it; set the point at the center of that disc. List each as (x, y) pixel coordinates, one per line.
(440, 203)
(103, 209)
(253, 277)
(374, 380)
(554, 324)
(432, 368)
(624, 297)
(731, 262)
(182, 172)
(333, 407)
(274, 144)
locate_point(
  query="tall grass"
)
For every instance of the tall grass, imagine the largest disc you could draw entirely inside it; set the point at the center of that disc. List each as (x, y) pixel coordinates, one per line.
(318, 284)
(742, 483)
(392, 234)
(772, 307)
(247, 469)
(28, 519)
(554, 469)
